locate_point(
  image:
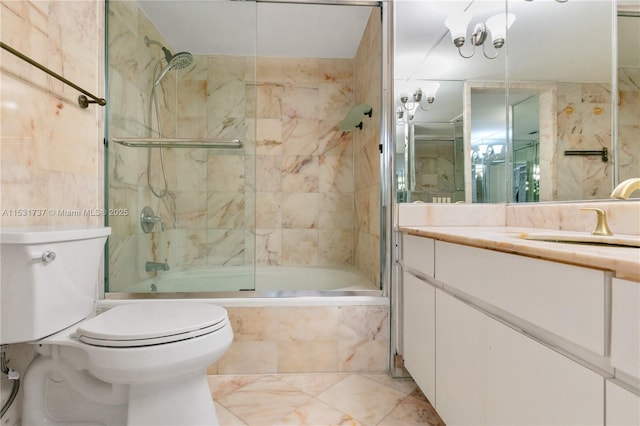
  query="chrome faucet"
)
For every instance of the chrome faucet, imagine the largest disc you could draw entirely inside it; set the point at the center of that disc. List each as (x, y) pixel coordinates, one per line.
(156, 266)
(625, 188)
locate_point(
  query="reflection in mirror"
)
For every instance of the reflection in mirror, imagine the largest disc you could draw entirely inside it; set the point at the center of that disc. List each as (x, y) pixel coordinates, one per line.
(628, 136)
(429, 166)
(572, 80)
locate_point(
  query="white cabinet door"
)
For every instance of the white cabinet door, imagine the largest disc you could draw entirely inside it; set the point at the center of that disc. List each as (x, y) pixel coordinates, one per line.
(623, 407)
(625, 326)
(461, 362)
(419, 333)
(531, 384)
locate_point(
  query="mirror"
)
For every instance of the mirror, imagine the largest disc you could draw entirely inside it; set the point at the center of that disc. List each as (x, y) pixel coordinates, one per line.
(541, 138)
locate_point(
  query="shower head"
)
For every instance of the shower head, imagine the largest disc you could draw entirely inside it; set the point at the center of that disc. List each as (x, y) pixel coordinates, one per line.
(178, 61)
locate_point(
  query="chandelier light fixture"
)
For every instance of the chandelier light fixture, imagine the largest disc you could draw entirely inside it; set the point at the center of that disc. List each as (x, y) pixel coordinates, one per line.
(497, 26)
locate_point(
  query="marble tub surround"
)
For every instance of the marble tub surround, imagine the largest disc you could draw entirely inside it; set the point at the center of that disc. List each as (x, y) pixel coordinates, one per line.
(320, 399)
(299, 339)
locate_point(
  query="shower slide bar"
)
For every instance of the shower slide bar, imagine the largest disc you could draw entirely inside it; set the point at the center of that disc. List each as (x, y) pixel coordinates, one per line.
(83, 100)
(179, 143)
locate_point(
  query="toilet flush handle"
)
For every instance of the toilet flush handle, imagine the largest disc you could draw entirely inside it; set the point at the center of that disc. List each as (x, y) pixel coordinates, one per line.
(47, 257)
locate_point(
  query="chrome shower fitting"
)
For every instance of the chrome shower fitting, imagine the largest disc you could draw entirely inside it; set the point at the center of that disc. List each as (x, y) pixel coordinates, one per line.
(178, 61)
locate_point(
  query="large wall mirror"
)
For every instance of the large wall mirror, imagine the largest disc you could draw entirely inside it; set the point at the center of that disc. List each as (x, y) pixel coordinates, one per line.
(534, 105)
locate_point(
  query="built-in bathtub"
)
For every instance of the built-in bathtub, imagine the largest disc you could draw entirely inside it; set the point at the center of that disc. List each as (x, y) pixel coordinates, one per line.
(238, 281)
(297, 320)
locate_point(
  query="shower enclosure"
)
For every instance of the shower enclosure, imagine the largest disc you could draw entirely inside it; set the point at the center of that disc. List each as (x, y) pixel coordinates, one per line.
(226, 159)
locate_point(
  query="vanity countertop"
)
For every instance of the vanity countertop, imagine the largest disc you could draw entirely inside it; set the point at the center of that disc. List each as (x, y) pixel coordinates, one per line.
(623, 261)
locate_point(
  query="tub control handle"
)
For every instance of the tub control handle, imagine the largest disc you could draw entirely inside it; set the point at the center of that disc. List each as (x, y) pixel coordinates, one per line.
(47, 257)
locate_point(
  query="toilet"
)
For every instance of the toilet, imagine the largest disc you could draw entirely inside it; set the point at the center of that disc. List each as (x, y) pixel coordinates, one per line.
(141, 363)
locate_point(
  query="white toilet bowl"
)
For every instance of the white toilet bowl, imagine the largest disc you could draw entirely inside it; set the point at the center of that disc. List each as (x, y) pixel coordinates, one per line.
(136, 364)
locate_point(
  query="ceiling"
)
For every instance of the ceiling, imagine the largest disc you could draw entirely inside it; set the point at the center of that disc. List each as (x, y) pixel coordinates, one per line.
(222, 27)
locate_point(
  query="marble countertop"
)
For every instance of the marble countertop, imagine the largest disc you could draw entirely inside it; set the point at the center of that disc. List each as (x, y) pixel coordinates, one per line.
(624, 262)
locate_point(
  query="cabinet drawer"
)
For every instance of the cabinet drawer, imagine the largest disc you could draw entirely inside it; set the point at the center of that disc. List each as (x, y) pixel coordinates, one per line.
(566, 300)
(418, 254)
(625, 326)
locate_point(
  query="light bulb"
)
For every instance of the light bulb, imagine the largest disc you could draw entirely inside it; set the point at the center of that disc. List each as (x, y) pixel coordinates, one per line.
(498, 25)
(457, 25)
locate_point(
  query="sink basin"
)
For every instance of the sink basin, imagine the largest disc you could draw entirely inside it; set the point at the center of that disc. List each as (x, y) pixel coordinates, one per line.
(599, 240)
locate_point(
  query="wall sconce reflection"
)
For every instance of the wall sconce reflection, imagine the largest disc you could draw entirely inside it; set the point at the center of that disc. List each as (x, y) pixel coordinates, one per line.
(497, 25)
(423, 100)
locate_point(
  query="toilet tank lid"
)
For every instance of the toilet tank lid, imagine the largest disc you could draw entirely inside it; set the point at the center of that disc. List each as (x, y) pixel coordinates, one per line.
(49, 234)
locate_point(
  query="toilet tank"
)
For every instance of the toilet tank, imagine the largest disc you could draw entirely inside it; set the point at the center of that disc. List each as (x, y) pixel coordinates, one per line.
(42, 293)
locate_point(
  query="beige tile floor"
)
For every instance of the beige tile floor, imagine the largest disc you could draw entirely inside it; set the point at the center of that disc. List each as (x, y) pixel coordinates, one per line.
(320, 399)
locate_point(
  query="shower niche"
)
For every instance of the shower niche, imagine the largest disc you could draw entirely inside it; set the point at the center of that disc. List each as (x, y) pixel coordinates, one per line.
(231, 136)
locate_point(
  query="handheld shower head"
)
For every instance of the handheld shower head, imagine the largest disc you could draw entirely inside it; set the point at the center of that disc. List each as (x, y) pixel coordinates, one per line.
(178, 61)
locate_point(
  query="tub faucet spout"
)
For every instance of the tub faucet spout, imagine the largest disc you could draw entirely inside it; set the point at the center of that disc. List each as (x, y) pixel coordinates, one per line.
(624, 189)
(156, 266)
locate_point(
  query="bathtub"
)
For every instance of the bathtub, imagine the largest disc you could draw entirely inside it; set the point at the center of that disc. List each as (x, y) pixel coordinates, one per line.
(327, 319)
(237, 281)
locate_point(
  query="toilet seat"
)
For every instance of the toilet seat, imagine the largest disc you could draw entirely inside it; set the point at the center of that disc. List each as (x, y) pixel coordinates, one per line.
(147, 324)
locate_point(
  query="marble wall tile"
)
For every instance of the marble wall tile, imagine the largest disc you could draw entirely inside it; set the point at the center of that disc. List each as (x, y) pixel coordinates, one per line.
(303, 324)
(269, 100)
(225, 210)
(299, 247)
(336, 211)
(300, 136)
(268, 136)
(300, 173)
(300, 210)
(268, 246)
(335, 247)
(269, 214)
(300, 102)
(41, 121)
(336, 174)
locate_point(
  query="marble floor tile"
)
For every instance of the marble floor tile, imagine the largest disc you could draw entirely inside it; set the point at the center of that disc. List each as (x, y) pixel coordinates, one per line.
(320, 399)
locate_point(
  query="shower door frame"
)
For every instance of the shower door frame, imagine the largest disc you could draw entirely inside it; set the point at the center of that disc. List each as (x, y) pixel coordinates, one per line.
(386, 144)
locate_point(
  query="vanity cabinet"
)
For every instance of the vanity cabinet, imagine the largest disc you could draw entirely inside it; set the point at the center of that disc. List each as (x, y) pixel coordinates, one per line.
(476, 357)
(460, 362)
(566, 300)
(418, 319)
(531, 384)
(623, 406)
(489, 374)
(625, 327)
(418, 313)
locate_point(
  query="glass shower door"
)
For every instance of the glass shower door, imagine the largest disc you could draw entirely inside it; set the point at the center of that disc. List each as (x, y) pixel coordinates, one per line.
(181, 147)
